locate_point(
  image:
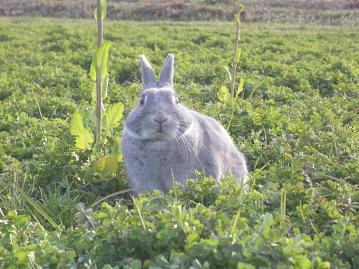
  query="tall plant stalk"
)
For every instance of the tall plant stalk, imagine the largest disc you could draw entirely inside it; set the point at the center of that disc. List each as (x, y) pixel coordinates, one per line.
(107, 139)
(99, 102)
(236, 51)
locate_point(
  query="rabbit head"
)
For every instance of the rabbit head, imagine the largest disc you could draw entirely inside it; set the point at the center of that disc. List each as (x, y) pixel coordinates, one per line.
(159, 114)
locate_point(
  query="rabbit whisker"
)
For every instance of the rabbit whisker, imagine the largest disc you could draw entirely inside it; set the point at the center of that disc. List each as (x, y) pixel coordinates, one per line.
(191, 149)
(183, 148)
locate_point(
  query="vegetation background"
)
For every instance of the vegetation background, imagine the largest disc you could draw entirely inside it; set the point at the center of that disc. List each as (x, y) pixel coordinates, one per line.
(296, 119)
(294, 11)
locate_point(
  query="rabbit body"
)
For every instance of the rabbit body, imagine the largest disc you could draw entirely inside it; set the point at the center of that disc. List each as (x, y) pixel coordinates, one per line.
(165, 142)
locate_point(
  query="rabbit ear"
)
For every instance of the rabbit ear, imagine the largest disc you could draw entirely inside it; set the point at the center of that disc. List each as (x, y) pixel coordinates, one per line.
(166, 77)
(147, 73)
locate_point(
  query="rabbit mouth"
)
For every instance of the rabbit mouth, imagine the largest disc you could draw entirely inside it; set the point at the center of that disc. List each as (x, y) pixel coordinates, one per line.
(161, 134)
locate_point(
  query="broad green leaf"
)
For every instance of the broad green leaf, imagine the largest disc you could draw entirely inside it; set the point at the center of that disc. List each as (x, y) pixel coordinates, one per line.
(103, 10)
(136, 264)
(116, 149)
(193, 238)
(302, 262)
(240, 87)
(104, 89)
(99, 61)
(242, 265)
(223, 94)
(317, 263)
(105, 81)
(104, 56)
(210, 242)
(266, 224)
(106, 166)
(112, 115)
(12, 213)
(102, 215)
(93, 67)
(333, 212)
(93, 93)
(83, 136)
(21, 255)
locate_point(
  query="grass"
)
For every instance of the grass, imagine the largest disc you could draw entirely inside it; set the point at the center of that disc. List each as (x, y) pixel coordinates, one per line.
(296, 121)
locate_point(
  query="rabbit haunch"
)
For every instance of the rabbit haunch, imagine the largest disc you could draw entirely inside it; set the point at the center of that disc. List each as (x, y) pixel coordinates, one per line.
(164, 141)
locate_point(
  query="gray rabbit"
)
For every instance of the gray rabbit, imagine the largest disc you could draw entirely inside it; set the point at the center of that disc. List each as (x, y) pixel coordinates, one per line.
(164, 141)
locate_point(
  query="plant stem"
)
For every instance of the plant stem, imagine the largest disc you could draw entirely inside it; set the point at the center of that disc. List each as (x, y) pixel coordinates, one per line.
(99, 105)
(235, 49)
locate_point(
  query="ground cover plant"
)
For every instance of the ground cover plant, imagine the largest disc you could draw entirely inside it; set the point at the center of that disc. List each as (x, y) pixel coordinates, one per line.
(296, 120)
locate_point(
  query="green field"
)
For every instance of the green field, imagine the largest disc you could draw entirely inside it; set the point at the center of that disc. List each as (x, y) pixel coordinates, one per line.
(296, 121)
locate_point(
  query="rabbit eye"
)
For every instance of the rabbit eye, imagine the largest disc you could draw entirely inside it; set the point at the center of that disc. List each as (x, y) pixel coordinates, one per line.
(142, 101)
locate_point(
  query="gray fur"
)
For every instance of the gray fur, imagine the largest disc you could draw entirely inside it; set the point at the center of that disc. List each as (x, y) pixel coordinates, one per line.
(147, 73)
(166, 77)
(164, 141)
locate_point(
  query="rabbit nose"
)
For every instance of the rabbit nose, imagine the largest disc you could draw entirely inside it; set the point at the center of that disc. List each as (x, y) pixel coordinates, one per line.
(160, 119)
